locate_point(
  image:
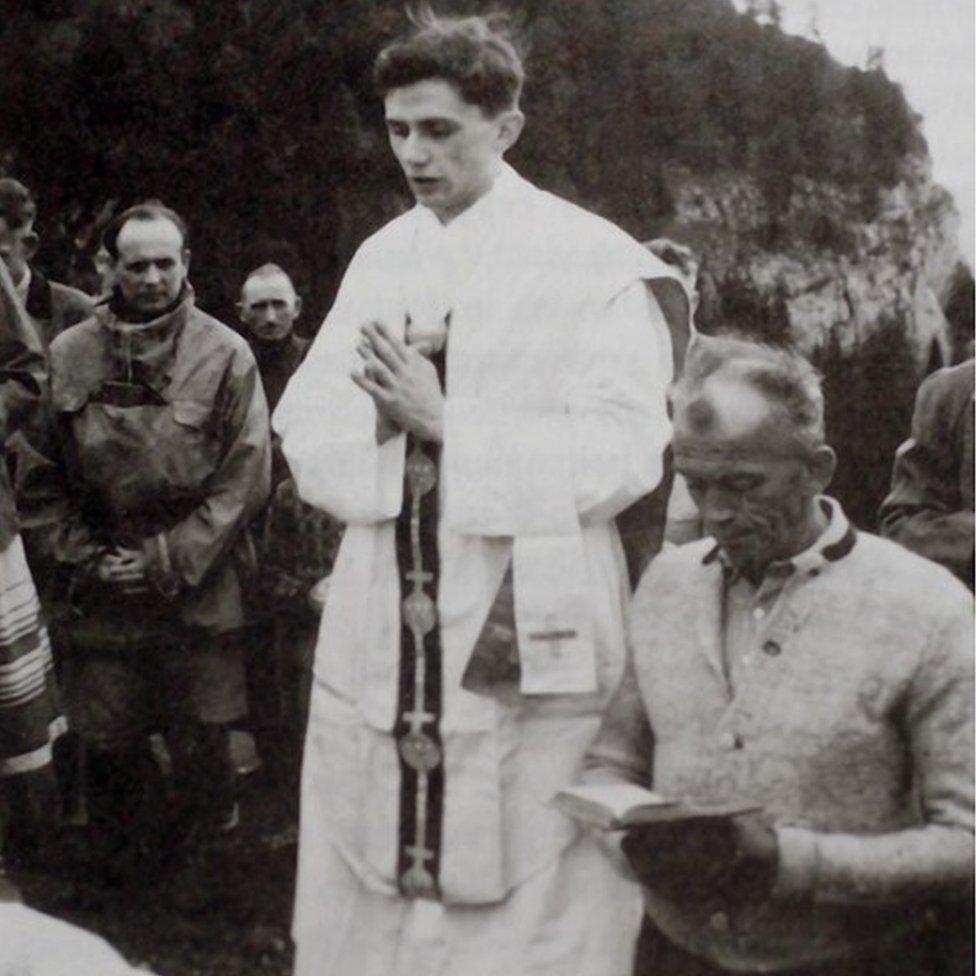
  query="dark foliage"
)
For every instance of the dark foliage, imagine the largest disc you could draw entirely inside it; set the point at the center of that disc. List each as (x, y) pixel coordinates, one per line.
(748, 312)
(870, 394)
(257, 119)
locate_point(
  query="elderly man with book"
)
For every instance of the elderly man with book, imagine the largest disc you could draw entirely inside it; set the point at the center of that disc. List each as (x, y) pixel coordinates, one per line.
(788, 662)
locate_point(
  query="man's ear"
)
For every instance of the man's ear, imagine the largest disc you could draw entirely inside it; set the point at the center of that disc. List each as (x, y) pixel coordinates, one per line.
(298, 305)
(821, 464)
(186, 259)
(510, 125)
(30, 242)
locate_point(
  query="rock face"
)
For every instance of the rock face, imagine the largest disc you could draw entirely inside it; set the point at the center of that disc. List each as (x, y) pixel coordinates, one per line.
(833, 266)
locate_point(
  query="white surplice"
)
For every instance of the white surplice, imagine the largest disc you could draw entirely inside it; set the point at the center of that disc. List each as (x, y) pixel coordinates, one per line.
(558, 358)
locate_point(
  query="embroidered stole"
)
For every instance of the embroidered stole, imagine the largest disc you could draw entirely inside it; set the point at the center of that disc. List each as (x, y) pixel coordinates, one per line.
(419, 698)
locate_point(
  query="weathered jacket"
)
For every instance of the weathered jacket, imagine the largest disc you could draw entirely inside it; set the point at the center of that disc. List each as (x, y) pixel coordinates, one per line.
(54, 307)
(930, 507)
(277, 362)
(51, 308)
(161, 442)
(23, 383)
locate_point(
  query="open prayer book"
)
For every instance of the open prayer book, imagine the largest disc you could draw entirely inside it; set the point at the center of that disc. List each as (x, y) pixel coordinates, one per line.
(615, 806)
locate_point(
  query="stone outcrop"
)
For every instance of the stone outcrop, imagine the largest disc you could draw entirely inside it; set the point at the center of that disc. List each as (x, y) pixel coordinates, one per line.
(835, 267)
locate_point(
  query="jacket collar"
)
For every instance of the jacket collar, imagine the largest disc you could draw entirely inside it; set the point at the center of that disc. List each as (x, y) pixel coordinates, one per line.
(143, 352)
(38, 302)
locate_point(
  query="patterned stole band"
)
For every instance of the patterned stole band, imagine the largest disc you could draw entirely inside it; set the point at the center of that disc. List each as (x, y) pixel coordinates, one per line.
(419, 699)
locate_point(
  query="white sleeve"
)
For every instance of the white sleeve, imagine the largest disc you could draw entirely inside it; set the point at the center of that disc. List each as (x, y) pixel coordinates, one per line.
(542, 473)
(327, 424)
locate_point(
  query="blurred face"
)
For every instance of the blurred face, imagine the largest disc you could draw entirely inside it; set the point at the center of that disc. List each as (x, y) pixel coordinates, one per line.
(753, 485)
(269, 307)
(449, 150)
(152, 264)
(17, 247)
(104, 267)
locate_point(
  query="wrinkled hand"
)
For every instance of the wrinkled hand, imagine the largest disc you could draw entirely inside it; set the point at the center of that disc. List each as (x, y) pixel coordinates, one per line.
(711, 861)
(124, 569)
(402, 382)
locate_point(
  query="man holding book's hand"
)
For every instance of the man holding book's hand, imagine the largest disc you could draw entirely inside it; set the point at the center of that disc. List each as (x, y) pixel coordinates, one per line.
(824, 676)
(726, 860)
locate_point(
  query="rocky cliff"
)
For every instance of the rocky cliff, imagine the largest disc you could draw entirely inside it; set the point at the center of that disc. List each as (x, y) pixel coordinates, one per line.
(829, 265)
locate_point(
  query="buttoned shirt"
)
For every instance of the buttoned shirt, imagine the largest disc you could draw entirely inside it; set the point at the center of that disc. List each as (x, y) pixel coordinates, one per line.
(850, 725)
(749, 609)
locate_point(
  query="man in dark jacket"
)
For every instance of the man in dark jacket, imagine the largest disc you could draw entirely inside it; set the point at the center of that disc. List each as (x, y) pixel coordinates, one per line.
(269, 307)
(298, 542)
(51, 306)
(930, 507)
(158, 460)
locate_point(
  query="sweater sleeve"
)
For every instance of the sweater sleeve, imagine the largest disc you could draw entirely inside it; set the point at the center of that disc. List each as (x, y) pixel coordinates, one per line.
(935, 858)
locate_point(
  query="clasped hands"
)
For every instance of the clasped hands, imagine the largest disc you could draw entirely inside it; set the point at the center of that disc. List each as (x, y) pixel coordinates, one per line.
(727, 861)
(124, 569)
(403, 384)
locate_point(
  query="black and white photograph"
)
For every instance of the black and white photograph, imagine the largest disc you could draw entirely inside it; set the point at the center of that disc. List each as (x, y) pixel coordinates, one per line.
(487, 487)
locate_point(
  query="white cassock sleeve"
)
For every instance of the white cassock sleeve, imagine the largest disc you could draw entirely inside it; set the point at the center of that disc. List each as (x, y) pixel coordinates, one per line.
(327, 424)
(541, 473)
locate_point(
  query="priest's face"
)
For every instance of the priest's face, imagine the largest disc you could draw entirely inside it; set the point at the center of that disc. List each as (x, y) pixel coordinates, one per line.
(449, 149)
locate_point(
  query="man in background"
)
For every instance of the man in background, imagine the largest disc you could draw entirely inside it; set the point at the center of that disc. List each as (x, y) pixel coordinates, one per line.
(269, 308)
(157, 462)
(51, 306)
(930, 507)
(30, 714)
(296, 545)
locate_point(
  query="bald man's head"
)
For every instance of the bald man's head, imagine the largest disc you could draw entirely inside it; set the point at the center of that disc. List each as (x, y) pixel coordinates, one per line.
(735, 388)
(748, 439)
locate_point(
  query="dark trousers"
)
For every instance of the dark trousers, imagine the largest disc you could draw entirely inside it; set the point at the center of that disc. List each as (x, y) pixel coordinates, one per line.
(139, 827)
(657, 956)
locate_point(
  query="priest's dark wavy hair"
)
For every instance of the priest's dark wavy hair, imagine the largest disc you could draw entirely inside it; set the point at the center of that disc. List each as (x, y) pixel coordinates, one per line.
(478, 55)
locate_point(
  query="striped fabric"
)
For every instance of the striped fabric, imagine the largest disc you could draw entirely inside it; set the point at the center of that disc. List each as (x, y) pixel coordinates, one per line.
(30, 713)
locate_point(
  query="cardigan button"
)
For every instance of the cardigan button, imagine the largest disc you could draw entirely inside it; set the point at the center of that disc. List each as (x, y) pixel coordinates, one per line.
(772, 648)
(729, 741)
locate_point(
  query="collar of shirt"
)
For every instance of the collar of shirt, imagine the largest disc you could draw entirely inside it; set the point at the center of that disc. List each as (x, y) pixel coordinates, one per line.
(470, 220)
(23, 286)
(448, 257)
(835, 542)
(144, 351)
